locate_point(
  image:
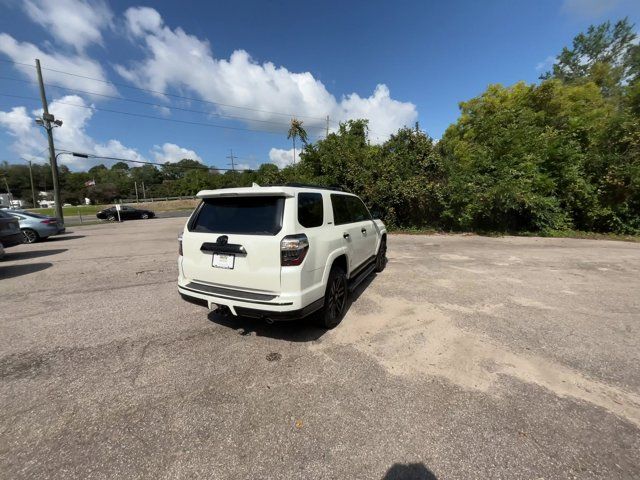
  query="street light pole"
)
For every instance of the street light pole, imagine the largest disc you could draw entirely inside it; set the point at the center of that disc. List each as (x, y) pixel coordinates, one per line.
(47, 118)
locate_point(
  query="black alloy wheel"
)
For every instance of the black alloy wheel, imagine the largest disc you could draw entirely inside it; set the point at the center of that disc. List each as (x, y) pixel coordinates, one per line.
(335, 299)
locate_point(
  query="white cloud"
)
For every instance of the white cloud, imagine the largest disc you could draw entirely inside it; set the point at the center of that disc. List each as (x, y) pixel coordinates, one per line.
(19, 125)
(386, 114)
(283, 158)
(25, 52)
(240, 81)
(72, 22)
(589, 8)
(30, 143)
(546, 64)
(170, 152)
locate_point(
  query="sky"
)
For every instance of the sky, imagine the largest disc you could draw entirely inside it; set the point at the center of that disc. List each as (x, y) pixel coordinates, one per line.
(167, 80)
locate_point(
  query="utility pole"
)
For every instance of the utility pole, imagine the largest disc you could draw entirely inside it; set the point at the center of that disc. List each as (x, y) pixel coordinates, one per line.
(144, 194)
(6, 186)
(327, 127)
(33, 191)
(47, 118)
(233, 165)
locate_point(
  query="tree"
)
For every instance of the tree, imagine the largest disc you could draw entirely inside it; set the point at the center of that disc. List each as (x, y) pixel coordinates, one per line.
(120, 166)
(607, 55)
(296, 130)
(174, 171)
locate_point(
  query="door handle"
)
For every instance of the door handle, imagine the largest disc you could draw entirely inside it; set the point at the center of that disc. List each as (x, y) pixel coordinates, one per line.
(363, 230)
(346, 235)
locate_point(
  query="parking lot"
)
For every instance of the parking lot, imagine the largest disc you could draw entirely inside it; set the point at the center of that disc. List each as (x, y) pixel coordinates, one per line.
(468, 357)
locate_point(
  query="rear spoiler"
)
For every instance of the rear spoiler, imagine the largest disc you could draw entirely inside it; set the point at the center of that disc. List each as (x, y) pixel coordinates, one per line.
(246, 192)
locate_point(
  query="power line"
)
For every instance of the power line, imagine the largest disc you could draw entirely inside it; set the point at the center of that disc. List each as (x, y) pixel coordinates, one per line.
(142, 102)
(157, 92)
(142, 115)
(145, 162)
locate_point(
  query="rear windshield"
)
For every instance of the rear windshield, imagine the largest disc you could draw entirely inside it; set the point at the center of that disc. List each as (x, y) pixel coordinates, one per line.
(242, 215)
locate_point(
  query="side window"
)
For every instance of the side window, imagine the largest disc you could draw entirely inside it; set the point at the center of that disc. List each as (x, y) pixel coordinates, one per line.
(358, 211)
(310, 210)
(340, 206)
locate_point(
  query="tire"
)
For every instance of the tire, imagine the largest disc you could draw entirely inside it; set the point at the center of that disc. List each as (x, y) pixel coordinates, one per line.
(111, 218)
(381, 257)
(30, 236)
(335, 299)
(144, 216)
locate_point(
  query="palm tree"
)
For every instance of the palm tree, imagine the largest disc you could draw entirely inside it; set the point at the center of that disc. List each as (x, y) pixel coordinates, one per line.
(296, 130)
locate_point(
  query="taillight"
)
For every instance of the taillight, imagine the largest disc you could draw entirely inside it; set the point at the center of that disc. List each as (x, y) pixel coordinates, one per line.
(180, 245)
(49, 221)
(293, 249)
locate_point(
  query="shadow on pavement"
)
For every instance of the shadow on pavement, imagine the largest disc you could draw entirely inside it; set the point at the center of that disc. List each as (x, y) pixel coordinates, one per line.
(59, 238)
(409, 471)
(32, 254)
(11, 271)
(303, 330)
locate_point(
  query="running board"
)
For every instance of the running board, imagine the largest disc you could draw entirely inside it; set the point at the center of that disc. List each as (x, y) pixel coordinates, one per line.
(358, 279)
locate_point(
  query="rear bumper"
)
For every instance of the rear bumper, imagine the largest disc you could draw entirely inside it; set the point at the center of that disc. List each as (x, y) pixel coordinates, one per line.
(249, 304)
(45, 231)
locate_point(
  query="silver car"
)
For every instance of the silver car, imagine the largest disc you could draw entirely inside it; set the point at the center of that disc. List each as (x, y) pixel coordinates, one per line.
(35, 226)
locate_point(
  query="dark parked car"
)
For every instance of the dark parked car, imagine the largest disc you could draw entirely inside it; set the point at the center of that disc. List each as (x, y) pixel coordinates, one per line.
(10, 233)
(126, 213)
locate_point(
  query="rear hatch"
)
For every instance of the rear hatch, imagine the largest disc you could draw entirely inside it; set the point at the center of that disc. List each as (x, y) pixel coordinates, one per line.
(233, 241)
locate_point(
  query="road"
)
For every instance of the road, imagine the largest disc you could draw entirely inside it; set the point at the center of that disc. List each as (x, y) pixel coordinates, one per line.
(468, 357)
(74, 220)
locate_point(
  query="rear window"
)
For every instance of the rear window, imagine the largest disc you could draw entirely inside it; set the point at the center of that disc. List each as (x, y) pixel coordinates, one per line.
(241, 215)
(310, 211)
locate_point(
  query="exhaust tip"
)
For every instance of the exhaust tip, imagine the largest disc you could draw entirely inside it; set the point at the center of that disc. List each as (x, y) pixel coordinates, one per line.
(269, 321)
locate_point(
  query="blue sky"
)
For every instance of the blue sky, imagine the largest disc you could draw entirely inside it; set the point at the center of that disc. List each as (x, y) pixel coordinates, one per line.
(249, 65)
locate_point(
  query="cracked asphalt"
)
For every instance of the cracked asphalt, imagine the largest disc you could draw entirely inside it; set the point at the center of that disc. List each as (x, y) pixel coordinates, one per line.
(468, 357)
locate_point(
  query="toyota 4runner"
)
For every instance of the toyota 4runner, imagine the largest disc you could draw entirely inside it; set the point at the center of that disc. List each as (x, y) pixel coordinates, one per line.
(279, 252)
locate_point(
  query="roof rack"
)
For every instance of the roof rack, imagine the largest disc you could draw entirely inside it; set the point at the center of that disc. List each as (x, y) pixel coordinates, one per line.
(306, 185)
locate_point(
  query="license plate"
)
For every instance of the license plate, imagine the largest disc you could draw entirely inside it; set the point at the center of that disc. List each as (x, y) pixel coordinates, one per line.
(223, 261)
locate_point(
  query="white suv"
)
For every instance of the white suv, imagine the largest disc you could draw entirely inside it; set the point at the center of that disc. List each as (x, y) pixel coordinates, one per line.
(279, 252)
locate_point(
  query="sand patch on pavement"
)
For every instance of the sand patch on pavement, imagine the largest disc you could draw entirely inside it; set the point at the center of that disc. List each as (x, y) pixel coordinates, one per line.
(421, 338)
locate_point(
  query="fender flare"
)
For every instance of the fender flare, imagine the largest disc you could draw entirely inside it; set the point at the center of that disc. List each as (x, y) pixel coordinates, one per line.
(381, 232)
(330, 259)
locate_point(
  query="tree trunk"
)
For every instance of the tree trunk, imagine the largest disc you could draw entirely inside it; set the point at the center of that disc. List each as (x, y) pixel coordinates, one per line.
(294, 149)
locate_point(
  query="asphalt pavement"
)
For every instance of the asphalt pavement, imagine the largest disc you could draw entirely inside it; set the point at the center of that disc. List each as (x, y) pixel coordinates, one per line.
(468, 357)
